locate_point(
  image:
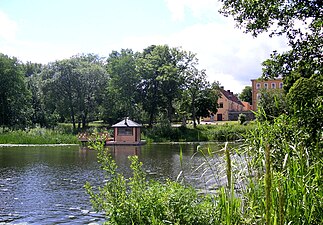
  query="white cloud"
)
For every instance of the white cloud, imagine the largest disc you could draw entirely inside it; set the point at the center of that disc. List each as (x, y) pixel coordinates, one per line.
(228, 55)
(199, 9)
(8, 27)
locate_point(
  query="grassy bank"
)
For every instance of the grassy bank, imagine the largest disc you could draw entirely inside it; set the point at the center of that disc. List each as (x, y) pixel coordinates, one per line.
(221, 132)
(37, 136)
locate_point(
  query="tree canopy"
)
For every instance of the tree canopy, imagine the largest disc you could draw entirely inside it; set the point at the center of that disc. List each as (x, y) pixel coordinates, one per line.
(14, 95)
(160, 83)
(246, 94)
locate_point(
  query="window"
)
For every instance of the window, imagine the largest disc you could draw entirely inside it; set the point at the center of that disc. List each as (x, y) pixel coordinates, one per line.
(221, 105)
(281, 85)
(127, 131)
(273, 85)
(258, 86)
(266, 85)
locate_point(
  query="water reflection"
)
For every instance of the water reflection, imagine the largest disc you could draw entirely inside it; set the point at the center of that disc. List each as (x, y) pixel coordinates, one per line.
(44, 185)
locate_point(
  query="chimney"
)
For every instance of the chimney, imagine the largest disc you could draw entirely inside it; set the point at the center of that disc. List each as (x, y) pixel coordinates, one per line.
(125, 121)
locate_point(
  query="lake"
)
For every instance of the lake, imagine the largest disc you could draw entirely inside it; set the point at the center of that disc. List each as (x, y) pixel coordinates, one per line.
(44, 184)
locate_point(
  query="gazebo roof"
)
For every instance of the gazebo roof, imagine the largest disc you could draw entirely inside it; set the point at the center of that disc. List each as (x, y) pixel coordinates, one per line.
(127, 123)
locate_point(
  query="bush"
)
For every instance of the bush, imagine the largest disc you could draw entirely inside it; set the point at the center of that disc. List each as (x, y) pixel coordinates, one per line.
(37, 136)
(228, 132)
(138, 201)
(242, 118)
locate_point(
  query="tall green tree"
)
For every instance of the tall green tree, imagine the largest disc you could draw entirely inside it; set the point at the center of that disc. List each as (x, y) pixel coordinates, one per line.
(161, 69)
(34, 84)
(246, 94)
(206, 101)
(14, 95)
(73, 87)
(305, 100)
(195, 82)
(121, 97)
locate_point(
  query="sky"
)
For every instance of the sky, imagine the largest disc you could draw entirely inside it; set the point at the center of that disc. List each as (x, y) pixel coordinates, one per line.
(43, 31)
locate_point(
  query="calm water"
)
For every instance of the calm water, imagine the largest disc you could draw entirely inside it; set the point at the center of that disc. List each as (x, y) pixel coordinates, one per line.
(44, 185)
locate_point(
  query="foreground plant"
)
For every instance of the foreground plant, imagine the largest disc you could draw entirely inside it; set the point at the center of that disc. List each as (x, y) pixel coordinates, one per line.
(285, 175)
(139, 201)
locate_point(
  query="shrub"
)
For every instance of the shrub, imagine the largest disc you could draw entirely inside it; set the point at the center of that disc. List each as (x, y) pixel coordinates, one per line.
(242, 118)
(138, 201)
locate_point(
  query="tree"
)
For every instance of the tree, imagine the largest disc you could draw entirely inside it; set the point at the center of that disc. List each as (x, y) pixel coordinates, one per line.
(206, 101)
(280, 17)
(162, 70)
(246, 94)
(14, 96)
(121, 93)
(272, 103)
(74, 87)
(305, 100)
(195, 81)
(34, 85)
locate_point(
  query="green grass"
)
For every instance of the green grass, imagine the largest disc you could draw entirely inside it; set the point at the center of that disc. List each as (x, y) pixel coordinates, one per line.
(37, 136)
(224, 132)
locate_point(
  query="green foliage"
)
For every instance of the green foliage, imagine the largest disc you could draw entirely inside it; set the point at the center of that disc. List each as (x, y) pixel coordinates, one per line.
(229, 132)
(121, 97)
(36, 136)
(138, 201)
(305, 99)
(207, 100)
(73, 88)
(14, 96)
(292, 175)
(246, 95)
(242, 118)
(300, 21)
(162, 72)
(272, 103)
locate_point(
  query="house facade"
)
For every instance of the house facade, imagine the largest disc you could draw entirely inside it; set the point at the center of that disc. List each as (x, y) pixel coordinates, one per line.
(229, 108)
(259, 84)
(227, 103)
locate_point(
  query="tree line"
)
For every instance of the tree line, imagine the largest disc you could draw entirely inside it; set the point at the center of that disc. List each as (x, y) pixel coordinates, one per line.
(159, 84)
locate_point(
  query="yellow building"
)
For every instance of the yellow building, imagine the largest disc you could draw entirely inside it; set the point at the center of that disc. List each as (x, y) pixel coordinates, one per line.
(259, 84)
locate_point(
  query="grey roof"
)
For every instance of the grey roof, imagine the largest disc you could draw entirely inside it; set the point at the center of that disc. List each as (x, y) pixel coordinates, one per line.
(127, 123)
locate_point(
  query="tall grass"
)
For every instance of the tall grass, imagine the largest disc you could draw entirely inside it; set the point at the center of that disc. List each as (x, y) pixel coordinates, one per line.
(288, 168)
(36, 136)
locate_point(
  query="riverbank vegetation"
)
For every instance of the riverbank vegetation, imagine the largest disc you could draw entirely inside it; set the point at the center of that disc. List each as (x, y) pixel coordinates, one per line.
(221, 132)
(37, 136)
(160, 83)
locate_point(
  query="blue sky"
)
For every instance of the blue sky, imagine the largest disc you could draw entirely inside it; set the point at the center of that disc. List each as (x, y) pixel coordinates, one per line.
(47, 30)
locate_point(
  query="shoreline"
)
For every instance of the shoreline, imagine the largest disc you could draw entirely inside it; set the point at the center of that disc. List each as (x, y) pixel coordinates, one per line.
(35, 145)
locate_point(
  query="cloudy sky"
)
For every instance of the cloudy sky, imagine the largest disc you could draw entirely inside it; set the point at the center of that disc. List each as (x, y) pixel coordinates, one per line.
(43, 31)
